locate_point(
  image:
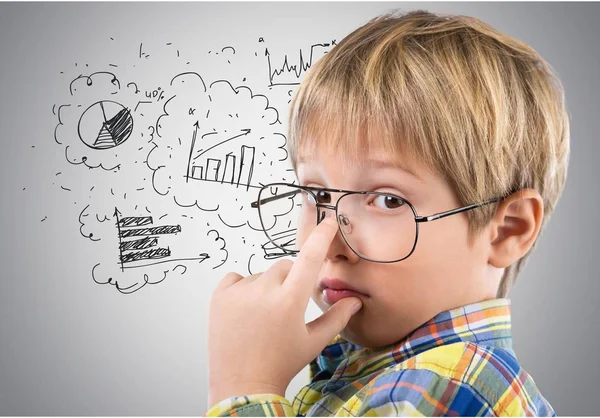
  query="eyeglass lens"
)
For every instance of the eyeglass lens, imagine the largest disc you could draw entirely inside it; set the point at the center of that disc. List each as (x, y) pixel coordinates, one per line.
(377, 226)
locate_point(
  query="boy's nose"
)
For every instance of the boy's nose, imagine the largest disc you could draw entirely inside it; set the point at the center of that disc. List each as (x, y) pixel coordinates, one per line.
(338, 249)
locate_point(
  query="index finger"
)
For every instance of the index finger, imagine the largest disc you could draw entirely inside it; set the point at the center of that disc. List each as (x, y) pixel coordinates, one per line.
(305, 271)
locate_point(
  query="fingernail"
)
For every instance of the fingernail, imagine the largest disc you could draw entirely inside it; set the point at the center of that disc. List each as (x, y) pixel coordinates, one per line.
(356, 307)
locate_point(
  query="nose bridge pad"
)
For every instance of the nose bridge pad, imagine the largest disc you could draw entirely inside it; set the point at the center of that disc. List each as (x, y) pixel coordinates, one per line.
(344, 223)
(322, 213)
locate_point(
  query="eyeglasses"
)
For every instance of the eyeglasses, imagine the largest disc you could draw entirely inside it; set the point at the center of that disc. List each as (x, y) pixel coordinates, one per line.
(377, 226)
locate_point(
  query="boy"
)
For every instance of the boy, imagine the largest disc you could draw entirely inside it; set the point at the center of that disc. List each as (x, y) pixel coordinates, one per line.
(410, 115)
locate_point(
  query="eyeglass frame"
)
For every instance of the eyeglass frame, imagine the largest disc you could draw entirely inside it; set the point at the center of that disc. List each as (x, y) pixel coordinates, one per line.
(311, 189)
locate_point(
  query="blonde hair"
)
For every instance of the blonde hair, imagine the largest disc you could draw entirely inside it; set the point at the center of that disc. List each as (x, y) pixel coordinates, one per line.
(482, 109)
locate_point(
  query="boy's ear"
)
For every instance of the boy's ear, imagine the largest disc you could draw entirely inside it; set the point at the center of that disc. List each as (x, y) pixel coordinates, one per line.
(515, 227)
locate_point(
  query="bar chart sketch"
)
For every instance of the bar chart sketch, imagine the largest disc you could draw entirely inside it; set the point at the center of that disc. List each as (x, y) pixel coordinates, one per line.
(138, 241)
(233, 168)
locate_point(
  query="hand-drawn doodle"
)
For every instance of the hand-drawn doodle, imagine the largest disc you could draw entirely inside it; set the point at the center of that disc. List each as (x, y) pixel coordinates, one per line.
(170, 166)
(289, 75)
(146, 248)
(105, 124)
(232, 146)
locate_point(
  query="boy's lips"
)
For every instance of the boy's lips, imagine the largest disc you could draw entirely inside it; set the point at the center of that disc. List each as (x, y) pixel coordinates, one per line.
(338, 284)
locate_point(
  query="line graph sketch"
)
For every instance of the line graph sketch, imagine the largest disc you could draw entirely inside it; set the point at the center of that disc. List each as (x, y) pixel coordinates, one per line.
(287, 74)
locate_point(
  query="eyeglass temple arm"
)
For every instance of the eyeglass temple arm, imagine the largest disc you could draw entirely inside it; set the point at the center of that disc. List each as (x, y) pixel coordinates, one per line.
(454, 211)
(270, 199)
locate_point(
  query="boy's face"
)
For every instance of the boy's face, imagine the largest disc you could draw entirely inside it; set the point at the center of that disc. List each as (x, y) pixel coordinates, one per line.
(442, 273)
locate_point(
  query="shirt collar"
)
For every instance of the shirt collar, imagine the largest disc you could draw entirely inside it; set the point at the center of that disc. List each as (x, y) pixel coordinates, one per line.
(482, 322)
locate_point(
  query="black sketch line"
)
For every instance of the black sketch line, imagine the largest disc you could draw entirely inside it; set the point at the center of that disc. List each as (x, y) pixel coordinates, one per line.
(158, 230)
(157, 94)
(252, 96)
(120, 289)
(194, 204)
(230, 226)
(135, 221)
(134, 287)
(116, 283)
(143, 53)
(59, 123)
(89, 82)
(222, 248)
(164, 277)
(154, 174)
(116, 215)
(106, 218)
(244, 133)
(139, 103)
(255, 229)
(136, 91)
(189, 73)
(272, 251)
(203, 256)
(64, 188)
(163, 115)
(283, 147)
(208, 133)
(248, 186)
(249, 260)
(182, 266)
(295, 71)
(82, 224)
(187, 174)
(151, 254)
(228, 47)
(101, 132)
(84, 162)
(139, 244)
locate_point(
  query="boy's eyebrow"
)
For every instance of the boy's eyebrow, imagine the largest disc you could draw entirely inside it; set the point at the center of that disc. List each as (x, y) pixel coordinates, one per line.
(391, 164)
(375, 163)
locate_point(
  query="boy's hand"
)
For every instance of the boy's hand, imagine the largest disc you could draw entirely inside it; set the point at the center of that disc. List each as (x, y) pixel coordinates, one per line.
(257, 337)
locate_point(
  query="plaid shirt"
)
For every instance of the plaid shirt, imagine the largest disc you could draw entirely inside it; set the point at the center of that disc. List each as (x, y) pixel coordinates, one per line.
(459, 363)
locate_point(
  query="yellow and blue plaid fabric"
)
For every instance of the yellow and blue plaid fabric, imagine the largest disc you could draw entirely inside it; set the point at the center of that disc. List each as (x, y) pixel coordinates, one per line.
(459, 363)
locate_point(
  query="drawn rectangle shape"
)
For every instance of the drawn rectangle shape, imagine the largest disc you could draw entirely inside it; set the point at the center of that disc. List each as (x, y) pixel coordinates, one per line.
(153, 254)
(135, 221)
(212, 172)
(157, 230)
(139, 244)
(246, 165)
(197, 172)
(229, 167)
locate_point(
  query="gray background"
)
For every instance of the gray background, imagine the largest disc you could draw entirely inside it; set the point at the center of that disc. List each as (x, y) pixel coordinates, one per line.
(71, 347)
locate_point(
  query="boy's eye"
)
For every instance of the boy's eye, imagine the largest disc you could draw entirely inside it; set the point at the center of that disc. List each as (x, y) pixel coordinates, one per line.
(387, 202)
(323, 197)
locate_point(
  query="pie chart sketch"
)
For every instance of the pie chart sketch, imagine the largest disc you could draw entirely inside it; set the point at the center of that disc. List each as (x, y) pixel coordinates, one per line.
(104, 125)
